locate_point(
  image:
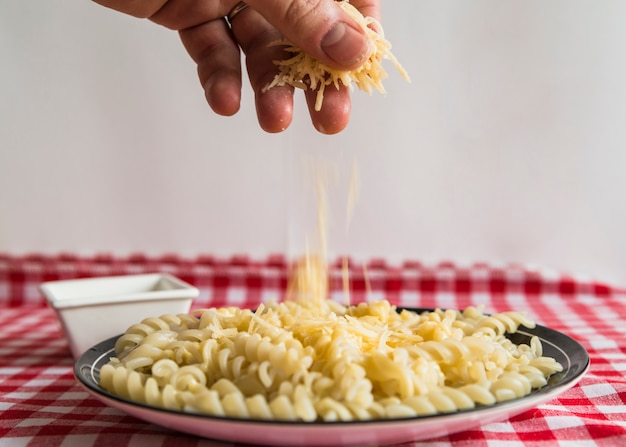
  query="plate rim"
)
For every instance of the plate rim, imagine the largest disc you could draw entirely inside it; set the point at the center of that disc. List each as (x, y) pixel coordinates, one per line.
(548, 391)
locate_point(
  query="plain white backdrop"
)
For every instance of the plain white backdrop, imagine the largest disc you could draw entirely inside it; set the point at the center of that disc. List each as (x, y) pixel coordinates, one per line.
(509, 144)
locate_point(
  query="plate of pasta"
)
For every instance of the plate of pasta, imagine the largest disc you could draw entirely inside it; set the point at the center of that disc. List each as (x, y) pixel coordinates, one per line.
(325, 374)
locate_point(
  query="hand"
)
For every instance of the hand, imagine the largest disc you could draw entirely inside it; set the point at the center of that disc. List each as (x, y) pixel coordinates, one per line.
(321, 28)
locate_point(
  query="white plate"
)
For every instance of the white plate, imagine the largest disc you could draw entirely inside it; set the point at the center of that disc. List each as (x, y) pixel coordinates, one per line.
(564, 349)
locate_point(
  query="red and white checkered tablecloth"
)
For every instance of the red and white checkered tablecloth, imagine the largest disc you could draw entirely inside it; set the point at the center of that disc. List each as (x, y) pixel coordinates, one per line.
(41, 404)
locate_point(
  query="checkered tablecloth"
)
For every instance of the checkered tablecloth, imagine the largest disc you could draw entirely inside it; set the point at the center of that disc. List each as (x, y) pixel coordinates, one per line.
(41, 403)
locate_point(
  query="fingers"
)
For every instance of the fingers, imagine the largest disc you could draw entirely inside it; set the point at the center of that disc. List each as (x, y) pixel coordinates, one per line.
(275, 106)
(335, 113)
(212, 47)
(321, 28)
(254, 34)
(206, 37)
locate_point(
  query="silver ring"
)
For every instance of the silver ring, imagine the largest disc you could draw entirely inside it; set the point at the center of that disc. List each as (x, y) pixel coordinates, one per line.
(234, 11)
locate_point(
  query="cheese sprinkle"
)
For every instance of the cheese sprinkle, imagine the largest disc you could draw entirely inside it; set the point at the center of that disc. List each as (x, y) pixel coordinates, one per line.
(304, 71)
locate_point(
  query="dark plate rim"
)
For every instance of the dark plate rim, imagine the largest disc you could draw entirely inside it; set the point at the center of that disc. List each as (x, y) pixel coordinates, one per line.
(569, 352)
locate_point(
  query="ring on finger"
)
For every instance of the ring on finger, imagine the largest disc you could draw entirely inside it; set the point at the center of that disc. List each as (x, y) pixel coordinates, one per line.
(234, 11)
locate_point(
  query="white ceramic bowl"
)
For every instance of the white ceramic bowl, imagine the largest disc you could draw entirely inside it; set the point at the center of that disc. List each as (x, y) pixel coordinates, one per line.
(93, 309)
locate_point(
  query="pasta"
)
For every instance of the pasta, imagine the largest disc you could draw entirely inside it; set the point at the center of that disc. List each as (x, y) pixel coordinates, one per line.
(316, 360)
(309, 358)
(303, 71)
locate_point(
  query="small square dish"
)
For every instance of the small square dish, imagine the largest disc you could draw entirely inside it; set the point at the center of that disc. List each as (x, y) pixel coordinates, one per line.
(93, 309)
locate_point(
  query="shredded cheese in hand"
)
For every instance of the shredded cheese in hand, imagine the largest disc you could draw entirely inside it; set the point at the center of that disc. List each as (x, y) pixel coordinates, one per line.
(304, 71)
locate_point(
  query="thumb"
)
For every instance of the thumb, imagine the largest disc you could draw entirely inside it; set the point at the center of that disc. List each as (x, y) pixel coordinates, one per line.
(320, 28)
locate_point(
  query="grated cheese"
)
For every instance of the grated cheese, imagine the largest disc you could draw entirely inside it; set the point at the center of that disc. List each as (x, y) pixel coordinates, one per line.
(309, 275)
(304, 71)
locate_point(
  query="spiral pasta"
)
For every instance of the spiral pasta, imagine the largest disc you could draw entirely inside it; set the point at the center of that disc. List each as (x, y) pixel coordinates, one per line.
(311, 360)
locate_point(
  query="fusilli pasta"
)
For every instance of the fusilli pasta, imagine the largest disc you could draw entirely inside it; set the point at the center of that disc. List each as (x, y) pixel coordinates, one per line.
(311, 360)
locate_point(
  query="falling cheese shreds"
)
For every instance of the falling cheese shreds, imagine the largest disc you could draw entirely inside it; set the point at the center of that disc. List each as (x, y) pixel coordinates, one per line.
(304, 71)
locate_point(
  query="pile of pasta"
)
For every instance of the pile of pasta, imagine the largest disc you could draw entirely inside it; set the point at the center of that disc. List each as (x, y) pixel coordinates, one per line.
(318, 360)
(303, 71)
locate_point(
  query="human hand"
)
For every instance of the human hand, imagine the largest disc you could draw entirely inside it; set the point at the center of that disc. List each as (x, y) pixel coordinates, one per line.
(321, 28)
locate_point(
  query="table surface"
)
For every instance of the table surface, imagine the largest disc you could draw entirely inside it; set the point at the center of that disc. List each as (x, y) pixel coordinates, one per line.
(41, 403)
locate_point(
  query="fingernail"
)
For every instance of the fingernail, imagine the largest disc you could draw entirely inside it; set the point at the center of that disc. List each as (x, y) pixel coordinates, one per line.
(345, 45)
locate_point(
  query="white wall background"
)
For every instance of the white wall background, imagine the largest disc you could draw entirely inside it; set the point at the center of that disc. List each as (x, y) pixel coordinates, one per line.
(509, 145)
